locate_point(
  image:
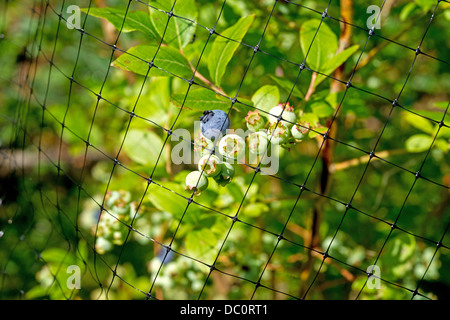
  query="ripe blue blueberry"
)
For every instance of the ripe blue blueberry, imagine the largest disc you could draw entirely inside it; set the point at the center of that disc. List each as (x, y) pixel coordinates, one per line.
(214, 124)
(164, 252)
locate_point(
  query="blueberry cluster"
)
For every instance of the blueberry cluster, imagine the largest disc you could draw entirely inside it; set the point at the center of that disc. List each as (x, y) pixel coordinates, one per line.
(213, 125)
(280, 128)
(107, 224)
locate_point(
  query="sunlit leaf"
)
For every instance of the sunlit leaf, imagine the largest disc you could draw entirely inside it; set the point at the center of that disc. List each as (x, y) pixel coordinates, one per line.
(266, 98)
(134, 20)
(418, 143)
(179, 31)
(223, 49)
(170, 60)
(319, 43)
(144, 147)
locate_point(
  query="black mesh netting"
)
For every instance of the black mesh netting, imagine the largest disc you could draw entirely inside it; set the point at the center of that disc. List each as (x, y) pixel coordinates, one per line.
(98, 97)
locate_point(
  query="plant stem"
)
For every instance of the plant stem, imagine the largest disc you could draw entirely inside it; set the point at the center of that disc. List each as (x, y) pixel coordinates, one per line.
(203, 78)
(357, 161)
(327, 151)
(312, 87)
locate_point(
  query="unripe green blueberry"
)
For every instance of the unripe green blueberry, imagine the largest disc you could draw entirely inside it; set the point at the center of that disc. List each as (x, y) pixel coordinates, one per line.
(254, 121)
(226, 175)
(232, 146)
(288, 114)
(278, 133)
(117, 238)
(257, 142)
(197, 182)
(117, 201)
(102, 245)
(202, 145)
(300, 130)
(210, 165)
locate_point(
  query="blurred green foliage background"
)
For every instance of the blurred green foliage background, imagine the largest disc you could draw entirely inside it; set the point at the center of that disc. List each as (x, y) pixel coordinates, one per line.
(50, 198)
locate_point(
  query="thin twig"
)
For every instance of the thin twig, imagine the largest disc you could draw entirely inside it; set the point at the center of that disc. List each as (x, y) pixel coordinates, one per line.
(312, 87)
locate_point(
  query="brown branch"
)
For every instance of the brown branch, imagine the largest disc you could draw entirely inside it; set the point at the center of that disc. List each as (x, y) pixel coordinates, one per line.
(203, 78)
(364, 159)
(346, 11)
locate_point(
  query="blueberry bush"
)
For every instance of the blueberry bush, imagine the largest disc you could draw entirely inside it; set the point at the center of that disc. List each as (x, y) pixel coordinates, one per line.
(95, 173)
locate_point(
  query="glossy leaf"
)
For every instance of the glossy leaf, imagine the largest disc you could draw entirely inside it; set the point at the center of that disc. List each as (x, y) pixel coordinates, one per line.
(418, 143)
(288, 85)
(143, 147)
(200, 242)
(266, 98)
(166, 200)
(321, 108)
(201, 99)
(170, 60)
(320, 45)
(223, 49)
(178, 32)
(418, 122)
(134, 21)
(335, 62)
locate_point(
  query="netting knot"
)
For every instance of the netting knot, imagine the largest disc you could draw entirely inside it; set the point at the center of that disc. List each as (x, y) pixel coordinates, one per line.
(417, 175)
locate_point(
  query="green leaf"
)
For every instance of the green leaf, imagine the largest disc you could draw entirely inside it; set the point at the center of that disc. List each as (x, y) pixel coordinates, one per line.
(179, 31)
(311, 118)
(419, 123)
(143, 147)
(321, 108)
(396, 258)
(36, 292)
(168, 59)
(255, 209)
(442, 144)
(200, 242)
(223, 49)
(56, 255)
(266, 97)
(287, 85)
(236, 192)
(335, 62)
(418, 143)
(135, 21)
(407, 10)
(166, 200)
(441, 104)
(324, 46)
(426, 5)
(202, 99)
